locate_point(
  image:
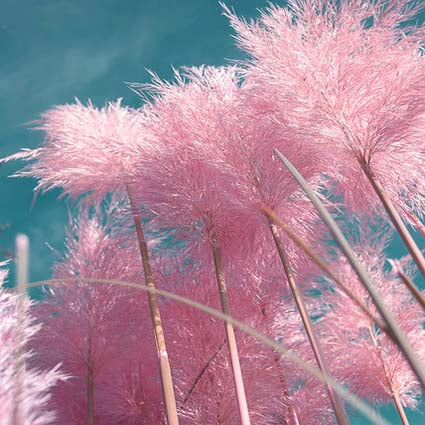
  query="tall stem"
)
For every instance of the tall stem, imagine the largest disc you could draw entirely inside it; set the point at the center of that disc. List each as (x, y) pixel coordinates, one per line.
(90, 390)
(394, 394)
(231, 340)
(165, 369)
(413, 249)
(400, 408)
(413, 289)
(22, 252)
(314, 342)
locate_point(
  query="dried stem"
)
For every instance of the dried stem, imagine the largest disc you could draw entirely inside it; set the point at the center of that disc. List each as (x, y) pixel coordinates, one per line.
(202, 371)
(271, 215)
(400, 408)
(412, 287)
(165, 369)
(22, 255)
(401, 228)
(394, 394)
(231, 340)
(314, 342)
(394, 330)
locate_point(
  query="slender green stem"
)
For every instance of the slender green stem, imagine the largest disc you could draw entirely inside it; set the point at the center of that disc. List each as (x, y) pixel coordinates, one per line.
(356, 402)
(394, 330)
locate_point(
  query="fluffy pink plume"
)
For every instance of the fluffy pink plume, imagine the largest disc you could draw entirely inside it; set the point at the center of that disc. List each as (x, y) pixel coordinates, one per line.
(99, 332)
(86, 150)
(214, 166)
(24, 391)
(349, 81)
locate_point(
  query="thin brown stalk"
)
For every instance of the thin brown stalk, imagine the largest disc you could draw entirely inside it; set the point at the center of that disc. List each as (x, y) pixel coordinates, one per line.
(165, 369)
(271, 215)
(394, 330)
(412, 287)
(394, 394)
(90, 390)
(400, 408)
(231, 340)
(314, 342)
(202, 371)
(392, 212)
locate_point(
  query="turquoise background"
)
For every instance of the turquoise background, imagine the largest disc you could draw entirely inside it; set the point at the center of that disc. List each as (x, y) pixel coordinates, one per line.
(55, 50)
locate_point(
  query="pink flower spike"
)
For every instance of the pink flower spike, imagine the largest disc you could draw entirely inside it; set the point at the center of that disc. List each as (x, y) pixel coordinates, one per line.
(83, 324)
(25, 391)
(86, 150)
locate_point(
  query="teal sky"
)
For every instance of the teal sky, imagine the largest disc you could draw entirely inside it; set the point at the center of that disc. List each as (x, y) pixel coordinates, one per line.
(55, 50)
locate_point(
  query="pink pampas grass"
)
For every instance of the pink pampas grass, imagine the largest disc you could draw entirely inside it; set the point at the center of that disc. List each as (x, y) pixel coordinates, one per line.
(25, 392)
(349, 89)
(86, 150)
(83, 323)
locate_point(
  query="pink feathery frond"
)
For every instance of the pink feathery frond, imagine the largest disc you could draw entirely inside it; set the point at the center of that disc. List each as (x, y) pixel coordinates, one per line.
(25, 392)
(189, 184)
(130, 394)
(86, 150)
(214, 166)
(365, 358)
(349, 80)
(93, 329)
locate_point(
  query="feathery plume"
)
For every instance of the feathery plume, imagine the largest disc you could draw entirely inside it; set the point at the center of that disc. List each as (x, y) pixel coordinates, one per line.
(86, 151)
(83, 323)
(24, 391)
(348, 78)
(352, 88)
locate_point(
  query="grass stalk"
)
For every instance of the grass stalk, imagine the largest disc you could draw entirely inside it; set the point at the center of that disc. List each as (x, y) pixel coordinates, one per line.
(399, 407)
(308, 326)
(392, 212)
(394, 330)
(231, 340)
(164, 363)
(273, 217)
